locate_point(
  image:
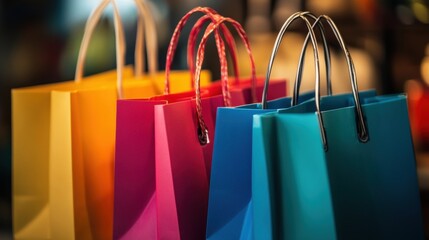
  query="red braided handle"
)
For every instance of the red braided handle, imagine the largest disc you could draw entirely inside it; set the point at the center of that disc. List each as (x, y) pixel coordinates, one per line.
(229, 40)
(175, 39)
(200, 58)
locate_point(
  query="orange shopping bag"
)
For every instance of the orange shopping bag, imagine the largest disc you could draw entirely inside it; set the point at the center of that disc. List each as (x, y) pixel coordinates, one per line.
(63, 148)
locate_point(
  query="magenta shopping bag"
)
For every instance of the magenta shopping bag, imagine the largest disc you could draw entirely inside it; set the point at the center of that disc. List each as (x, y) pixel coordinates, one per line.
(135, 214)
(134, 203)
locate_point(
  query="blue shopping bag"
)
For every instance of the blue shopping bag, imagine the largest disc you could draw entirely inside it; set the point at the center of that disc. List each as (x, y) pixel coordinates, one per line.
(229, 214)
(338, 167)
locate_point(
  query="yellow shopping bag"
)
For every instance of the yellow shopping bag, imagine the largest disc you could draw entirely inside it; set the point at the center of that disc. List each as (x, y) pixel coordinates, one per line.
(63, 148)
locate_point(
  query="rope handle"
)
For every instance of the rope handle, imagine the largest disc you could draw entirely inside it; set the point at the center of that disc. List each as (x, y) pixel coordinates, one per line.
(119, 42)
(203, 131)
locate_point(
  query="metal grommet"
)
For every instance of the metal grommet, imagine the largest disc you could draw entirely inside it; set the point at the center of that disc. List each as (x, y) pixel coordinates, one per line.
(203, 136)
(363, 137)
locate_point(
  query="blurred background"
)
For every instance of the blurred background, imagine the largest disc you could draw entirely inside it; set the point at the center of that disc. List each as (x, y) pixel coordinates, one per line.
(388, 40)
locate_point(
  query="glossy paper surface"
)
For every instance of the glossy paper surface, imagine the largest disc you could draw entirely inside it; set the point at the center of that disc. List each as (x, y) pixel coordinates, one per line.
(48, 149)
(354, 190)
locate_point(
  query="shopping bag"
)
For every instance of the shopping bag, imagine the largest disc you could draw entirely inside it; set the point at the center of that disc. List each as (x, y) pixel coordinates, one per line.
(50, 125)
(135, 215)
(338, 167)
(134, 200)
(43, 203)
(230, 207)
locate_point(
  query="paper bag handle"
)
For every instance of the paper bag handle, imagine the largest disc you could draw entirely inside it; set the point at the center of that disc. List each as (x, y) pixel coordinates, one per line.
(144, 20)
(245, 40)
(277, 43)
(286, 24)
(212, 14)
(203, 132)
(232, 48)
(192, 40)
(174, 41)
(363, 134)
(362, 129)
(119, 42)
(327, 56)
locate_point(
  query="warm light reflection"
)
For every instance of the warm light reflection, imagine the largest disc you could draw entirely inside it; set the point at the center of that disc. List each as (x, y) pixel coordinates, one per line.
(424, 67)
(420, 11)
(415, 89)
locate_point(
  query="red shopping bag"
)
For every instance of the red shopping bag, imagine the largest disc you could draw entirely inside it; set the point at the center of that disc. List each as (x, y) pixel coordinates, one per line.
(418, 104)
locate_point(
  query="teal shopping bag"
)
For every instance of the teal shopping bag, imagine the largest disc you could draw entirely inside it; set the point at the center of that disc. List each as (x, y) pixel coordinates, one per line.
(230, 197)
(338, 167)
(353, 190)
(266, 172)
